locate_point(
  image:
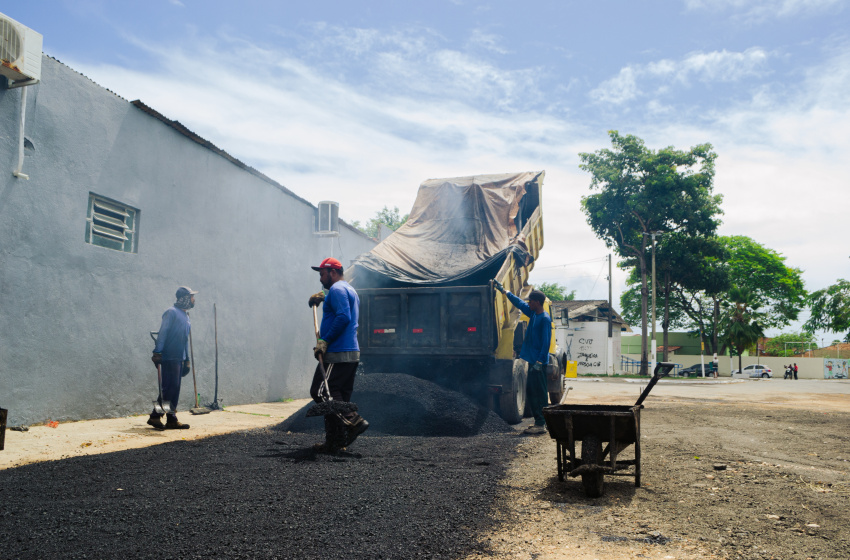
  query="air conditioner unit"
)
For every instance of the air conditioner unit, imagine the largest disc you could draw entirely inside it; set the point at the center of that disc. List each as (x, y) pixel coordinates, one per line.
(328, 223)
(20, 52)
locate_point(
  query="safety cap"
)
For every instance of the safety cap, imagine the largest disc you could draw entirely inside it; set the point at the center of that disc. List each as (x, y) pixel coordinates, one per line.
(329, 262)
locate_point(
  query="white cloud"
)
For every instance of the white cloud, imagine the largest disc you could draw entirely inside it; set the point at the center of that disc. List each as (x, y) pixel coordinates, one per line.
(661, 75)
(487, 41)
(761, 10)
(619, 89)
(369, 142)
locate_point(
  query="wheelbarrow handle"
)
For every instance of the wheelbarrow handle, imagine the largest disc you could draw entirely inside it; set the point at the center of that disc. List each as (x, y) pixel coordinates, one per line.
(666, 366)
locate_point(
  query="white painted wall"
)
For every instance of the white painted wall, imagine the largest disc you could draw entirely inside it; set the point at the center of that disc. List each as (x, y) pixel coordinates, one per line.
(75, 317)
(587, 343)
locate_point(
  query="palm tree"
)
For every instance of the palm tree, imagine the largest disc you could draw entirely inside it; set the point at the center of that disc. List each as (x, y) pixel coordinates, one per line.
(742, 330)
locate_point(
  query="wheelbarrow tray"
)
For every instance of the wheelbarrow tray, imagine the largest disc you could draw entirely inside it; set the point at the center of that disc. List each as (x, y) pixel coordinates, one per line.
(618, 426)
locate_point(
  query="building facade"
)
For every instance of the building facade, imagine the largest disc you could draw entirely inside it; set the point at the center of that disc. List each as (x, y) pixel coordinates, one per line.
(122, 206)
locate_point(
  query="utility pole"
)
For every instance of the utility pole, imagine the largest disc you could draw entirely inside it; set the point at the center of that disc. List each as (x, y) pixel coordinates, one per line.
(610, 305)
(654, 343)
(610, 344)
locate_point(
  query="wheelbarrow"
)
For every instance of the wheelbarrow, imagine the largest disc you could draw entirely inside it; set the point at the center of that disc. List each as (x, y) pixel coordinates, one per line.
(593, 425)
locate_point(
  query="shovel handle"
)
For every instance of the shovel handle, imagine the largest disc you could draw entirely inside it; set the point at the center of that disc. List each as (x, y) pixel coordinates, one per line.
(667, 367)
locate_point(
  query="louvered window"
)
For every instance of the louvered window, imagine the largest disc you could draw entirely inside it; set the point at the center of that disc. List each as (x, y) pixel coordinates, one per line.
(111, 224)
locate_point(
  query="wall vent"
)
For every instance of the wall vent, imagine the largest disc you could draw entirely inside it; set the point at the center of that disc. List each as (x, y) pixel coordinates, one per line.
(111, 224)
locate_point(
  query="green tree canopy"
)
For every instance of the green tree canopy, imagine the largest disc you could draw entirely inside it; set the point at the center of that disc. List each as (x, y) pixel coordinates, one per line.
(640, 191)
(776, 288)
(556, 292)
(390, 218)
(830, 309)
(790, 343)
(703, 268)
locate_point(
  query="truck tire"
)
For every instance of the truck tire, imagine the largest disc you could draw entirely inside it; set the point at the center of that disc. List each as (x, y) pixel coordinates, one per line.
(512, 402)
(591, 454)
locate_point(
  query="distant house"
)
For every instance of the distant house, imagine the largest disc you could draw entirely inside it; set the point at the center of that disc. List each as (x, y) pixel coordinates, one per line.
(590, 310)
(122, 206)
(585, 339)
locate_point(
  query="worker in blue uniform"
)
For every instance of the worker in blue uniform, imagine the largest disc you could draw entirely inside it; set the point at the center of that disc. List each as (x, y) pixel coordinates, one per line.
(340, 352)
(535, 351)
(171, 354)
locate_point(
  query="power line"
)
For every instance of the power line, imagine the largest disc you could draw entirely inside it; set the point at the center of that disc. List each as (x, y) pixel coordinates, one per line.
(573, 264)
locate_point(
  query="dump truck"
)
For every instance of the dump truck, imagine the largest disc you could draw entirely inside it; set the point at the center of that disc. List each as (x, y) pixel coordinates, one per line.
(428, 306)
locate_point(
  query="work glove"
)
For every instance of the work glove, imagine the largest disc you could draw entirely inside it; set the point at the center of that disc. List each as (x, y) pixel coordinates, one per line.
(156, 358)
(321, 348)
(316, 299)
(498, 286)
(537, 367)
(187, 367)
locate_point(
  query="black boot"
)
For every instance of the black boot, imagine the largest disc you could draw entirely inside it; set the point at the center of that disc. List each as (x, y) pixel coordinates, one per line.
(156, 421)
(357, 426)
(334, 435)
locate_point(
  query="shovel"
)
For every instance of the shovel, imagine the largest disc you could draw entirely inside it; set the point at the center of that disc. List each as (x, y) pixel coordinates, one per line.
(666, 366)
(328, 406)
(160, 406)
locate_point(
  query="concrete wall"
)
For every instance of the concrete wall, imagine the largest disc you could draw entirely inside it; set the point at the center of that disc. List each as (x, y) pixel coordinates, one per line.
(587, 343)
(808, 368)
(75, 317)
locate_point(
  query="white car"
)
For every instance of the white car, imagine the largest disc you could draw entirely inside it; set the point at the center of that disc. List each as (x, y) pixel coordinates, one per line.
(754, 371)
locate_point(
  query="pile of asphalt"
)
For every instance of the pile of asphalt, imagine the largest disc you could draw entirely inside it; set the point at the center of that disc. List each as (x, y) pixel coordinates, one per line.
(260, 494)
(403, 405)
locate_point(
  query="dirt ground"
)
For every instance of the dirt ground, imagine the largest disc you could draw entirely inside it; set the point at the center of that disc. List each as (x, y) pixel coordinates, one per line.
(783, 493)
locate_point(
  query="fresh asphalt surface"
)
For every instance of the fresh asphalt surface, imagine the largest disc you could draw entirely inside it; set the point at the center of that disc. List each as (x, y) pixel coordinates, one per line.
(267, 494)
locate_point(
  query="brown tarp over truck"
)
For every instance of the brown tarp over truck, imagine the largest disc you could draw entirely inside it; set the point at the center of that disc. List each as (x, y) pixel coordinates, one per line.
(428, 306)
(459, 232)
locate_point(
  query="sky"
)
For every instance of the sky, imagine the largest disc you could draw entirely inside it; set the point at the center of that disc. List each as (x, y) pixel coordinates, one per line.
(361, 101)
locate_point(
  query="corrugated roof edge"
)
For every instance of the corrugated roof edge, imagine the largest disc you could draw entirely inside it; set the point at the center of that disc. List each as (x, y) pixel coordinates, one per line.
(83, 75)
(176, 125)
(206, 143)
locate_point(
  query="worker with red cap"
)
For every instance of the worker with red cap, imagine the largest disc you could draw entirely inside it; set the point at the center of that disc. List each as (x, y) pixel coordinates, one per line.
(338, 348)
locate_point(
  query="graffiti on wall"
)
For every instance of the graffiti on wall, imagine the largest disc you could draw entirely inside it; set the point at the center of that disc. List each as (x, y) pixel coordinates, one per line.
(834, 368)
(588, 350)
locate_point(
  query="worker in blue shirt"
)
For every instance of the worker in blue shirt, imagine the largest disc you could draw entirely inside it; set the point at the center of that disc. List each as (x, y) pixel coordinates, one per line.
(535, 351)
(340, 352)
(171, 354)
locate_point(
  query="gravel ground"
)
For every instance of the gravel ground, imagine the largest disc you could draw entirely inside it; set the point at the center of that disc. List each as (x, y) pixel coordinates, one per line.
(267, 494)
(402, 405)
(476, 489)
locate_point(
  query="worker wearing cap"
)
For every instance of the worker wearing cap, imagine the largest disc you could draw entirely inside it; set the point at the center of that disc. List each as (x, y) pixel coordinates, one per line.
(171, 353)
(338, 349)
(535, 351)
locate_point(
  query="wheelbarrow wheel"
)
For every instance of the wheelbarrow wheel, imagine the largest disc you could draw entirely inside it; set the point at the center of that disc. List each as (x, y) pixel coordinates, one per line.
(591, 454)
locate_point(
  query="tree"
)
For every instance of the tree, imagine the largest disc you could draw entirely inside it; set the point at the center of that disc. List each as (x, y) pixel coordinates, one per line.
(830, 309)
(776, 288)
(796, 343)
(685, 265)
(642, 191)
(390, 218)
(556, 292)
(703, 270)
(742, 330)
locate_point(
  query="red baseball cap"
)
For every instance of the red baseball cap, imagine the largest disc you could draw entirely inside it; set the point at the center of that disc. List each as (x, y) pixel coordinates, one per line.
(329, 262)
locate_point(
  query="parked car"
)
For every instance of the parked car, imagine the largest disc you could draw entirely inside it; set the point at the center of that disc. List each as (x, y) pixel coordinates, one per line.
(755, 370)
(696, 369)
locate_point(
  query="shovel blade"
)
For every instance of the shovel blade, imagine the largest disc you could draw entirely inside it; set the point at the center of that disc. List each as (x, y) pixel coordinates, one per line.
(332, 407)
(162, 408)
